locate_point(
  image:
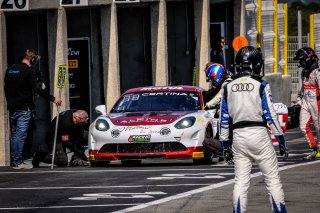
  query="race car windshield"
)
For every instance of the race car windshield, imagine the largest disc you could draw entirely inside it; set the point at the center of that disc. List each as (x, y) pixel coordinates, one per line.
(158, 101)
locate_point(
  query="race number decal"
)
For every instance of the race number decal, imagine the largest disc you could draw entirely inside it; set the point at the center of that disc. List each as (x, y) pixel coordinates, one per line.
(72, 3)
(14, 5)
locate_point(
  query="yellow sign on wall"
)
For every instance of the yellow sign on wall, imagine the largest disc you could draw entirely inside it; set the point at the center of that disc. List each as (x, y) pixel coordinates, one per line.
(73, 63)
(61, 77)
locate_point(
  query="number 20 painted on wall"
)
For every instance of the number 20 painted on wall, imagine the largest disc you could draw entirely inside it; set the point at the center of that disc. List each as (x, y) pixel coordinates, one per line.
(14, 5)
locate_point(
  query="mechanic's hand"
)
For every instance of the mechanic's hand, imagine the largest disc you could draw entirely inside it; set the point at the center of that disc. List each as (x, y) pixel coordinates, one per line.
(227, 152)
(228, 156)
(298, 101)
(57, 101)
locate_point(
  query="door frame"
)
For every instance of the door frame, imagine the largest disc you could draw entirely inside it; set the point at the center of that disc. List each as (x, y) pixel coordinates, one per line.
(89, 69)
(223, 33)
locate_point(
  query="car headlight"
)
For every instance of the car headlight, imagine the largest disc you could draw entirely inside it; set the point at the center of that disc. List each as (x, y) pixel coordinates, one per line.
(102, 125)
(185, 123)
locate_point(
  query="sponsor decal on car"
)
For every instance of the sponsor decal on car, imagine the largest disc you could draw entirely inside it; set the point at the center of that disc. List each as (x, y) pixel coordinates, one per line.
(115, 133)
(131, 128)
(165, 131)
(161, 88)
(201, 121)
(148, 120)
(149, 132)
(163, 93)
(139, 138)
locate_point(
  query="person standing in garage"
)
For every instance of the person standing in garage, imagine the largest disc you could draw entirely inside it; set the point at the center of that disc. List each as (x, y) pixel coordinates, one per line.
(216, 55)
(20, 86)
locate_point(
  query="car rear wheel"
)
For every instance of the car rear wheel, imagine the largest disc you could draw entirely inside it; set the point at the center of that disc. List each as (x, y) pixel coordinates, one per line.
(131, 162)
(100, 163)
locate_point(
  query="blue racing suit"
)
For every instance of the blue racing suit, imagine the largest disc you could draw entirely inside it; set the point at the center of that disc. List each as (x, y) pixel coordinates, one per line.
(247, 107)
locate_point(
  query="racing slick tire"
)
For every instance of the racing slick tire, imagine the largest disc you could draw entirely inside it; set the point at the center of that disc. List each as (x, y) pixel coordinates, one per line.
(100, 163)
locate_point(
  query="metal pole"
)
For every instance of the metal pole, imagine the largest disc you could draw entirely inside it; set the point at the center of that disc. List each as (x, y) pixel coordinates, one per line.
(299, 43)
(55, 132)
(299, 29)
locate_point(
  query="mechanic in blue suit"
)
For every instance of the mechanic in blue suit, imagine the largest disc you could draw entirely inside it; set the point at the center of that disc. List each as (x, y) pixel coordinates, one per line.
(247, 107)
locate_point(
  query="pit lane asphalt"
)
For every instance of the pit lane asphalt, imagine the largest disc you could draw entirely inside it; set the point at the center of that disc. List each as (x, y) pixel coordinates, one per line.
(156, 186)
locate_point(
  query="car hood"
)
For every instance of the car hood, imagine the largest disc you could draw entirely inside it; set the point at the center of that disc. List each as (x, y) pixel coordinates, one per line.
(145, 118)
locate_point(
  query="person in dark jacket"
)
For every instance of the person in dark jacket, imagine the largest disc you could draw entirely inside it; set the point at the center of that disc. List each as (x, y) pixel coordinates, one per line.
(216, 55)
(71, 134)
(20, 86)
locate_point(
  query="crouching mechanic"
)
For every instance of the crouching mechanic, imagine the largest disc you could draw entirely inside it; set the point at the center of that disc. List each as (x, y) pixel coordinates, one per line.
(309, 97)
(71, 135)
(247, 105)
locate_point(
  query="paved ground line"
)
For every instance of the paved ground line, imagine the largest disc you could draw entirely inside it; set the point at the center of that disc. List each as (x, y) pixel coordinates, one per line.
(108, 171)
(100, 187)
(199, 190)
(59, 207)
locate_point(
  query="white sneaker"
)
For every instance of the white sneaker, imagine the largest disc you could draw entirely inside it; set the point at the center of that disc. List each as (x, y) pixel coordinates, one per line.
(23, 166)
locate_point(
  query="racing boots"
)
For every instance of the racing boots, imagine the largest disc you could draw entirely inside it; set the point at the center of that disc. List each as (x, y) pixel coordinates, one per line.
(314, 154)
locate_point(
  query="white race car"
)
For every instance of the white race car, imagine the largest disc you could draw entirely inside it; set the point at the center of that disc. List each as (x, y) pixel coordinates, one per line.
(156, 122)
(152, 122)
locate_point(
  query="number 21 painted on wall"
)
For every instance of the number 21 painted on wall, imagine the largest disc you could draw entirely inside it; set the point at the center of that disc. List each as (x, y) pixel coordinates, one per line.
(74, 2)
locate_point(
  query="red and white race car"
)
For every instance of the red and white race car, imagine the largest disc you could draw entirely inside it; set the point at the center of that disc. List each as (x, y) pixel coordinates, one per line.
(153, 122)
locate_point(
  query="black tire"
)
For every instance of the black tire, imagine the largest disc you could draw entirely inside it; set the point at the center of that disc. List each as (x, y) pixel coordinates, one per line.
(100, 163)
(131, 162)
(208, 155)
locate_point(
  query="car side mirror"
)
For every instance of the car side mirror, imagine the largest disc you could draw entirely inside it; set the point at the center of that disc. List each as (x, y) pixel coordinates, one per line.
(101, 109)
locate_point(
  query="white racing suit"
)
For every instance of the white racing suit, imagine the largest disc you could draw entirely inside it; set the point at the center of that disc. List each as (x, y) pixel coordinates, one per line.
(247, 107)
(310, 106)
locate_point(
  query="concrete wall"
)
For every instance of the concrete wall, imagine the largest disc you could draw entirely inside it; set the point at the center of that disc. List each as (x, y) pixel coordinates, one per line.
(159, 50)
(61, 58)
(4, 120)
(110, 56)
(202, 32)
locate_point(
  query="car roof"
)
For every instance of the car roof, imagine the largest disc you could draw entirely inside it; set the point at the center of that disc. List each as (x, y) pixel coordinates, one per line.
(180, 88)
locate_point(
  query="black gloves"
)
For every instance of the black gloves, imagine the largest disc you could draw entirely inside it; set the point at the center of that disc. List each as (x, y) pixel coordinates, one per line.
(227, 152)
(282, 146)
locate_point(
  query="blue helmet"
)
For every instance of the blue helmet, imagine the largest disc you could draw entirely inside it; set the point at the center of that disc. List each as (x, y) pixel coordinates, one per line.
(215, 73)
